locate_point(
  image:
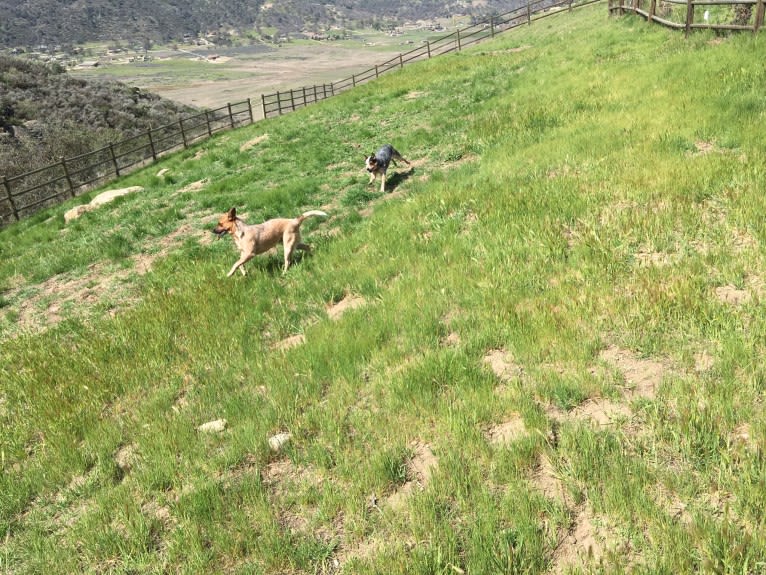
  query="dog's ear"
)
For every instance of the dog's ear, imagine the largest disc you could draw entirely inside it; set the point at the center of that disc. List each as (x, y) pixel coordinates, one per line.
(232, 213)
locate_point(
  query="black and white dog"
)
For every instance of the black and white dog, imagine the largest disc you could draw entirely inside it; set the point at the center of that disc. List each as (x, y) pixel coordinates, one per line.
(378, 162)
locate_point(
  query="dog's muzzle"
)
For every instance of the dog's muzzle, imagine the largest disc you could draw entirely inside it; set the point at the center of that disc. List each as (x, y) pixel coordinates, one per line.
(220, 232)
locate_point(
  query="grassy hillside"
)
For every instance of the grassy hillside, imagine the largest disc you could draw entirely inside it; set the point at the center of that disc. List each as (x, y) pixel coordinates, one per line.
(550, 359)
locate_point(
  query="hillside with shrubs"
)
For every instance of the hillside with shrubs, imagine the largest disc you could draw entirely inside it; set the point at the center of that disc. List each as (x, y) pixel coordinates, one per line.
(35, 23)
(45, 114)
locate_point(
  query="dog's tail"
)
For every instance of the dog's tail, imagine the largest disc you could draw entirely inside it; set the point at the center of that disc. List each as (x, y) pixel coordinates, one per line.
(311, 214)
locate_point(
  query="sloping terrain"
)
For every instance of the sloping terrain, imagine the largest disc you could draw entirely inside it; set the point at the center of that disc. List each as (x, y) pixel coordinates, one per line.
(539, 351)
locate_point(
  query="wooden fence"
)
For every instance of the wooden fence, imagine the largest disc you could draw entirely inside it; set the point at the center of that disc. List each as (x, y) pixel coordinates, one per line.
(282, 102)
(25, 194)
(745, 15)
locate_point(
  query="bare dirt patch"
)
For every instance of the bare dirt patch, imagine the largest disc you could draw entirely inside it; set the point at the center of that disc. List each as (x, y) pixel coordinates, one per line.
(502, 365)
(732, 295)
(419, 470)
(642, 376)
(290, 342)
(452, 339)
(254, 142)
(580, 545)
(508, 431)
(63, 296)
(602, 412)
(547, 481)
(649, 258)
(348, 303)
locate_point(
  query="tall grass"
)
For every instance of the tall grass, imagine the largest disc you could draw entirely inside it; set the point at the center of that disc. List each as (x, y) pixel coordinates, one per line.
(582, 185)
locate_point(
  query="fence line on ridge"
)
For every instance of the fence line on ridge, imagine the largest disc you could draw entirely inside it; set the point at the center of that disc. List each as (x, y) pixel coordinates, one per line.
(661, 12)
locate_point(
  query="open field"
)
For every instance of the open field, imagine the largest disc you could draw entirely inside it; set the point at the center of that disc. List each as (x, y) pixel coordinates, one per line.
(189, 75)
(540, 351)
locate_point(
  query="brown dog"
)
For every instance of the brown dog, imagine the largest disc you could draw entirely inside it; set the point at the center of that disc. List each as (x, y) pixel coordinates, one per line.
(256, 239)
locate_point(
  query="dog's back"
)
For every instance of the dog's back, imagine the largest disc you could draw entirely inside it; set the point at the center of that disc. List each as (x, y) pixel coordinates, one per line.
(384, 156)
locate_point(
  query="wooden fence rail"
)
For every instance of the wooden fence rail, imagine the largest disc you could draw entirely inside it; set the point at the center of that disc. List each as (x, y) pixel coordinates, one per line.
(280, 103)
(23, 195)
(661, 11)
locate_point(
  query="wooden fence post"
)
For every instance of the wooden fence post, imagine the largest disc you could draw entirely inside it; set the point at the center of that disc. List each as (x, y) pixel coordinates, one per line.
(652, 10)
(492, 26)
(332, 88)
(8, 195)
(689, 16)
(114, 160)
(207, 121)
(401, 62)
(428, 47)
(151, 144)
(529, 12)
(759, 13)
(263, 105)
(353, 80)
(250, 109)
(376, 71)
(304, 96)
(67, 176)
(231, 116)
(183, 134)
(292, 100)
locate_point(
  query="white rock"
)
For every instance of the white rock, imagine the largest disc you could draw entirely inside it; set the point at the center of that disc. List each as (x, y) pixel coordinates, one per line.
(216, 426)
(279, 441)
(100, 200)
(75, 212)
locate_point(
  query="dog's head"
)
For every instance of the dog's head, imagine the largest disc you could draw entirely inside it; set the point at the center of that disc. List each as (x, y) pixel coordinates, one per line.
(226, 223)
(371, 163)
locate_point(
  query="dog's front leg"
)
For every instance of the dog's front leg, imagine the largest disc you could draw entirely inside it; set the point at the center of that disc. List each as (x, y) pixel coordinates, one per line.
(372, 178)
(383, 182)
(240, 264)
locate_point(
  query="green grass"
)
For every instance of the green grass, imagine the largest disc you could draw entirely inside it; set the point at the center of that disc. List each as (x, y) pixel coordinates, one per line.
(580, 186)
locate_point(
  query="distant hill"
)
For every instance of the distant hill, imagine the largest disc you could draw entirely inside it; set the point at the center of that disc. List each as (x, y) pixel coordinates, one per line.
(34, 23)
(46, 113)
